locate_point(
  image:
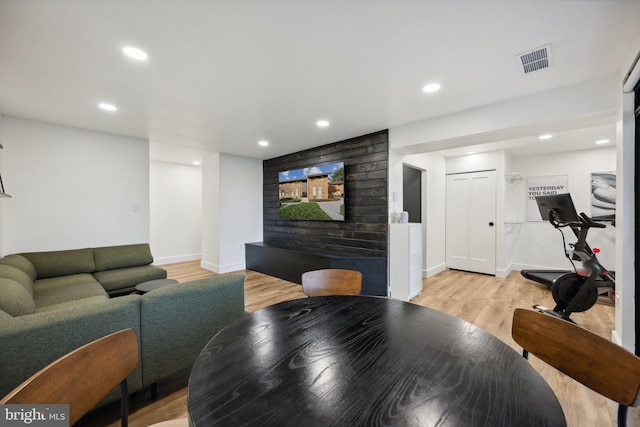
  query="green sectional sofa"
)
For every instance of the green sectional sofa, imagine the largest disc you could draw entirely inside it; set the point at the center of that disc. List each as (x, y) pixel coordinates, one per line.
(54, 302)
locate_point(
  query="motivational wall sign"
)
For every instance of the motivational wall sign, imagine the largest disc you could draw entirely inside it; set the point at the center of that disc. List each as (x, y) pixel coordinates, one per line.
(543, 186)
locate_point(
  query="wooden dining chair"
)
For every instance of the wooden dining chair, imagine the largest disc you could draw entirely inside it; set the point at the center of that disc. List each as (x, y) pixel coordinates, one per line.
(586, 357)
(331, 282)
(83, 377)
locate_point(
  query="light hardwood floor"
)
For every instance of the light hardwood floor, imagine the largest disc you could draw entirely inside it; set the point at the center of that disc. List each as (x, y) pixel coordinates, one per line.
(485, 301)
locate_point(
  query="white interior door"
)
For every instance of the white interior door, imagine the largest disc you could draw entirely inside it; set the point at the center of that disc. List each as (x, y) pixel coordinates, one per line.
(457, 222)
(470, 222)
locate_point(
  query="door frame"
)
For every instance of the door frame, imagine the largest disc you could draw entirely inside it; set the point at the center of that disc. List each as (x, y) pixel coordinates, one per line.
(494, 269)
(421, 194)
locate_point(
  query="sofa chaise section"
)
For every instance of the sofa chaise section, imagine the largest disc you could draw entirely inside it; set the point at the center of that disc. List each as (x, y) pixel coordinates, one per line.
(120, 268)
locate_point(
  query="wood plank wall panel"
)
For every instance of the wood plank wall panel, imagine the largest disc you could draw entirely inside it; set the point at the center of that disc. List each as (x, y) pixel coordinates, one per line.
(364, 231)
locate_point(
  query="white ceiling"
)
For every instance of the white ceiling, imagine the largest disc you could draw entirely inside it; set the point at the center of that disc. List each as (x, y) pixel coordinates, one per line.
(224, 74)
(571, 140)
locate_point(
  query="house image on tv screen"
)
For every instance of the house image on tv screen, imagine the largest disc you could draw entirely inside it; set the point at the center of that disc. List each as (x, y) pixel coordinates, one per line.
(313, 193)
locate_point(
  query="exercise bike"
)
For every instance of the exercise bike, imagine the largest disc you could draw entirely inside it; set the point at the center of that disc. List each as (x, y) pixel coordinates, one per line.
(578, 290)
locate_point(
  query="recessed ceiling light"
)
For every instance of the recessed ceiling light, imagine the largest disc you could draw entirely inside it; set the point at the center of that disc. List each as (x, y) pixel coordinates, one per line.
(322, 123)
(431, 88)
(196, 163)
(107, 107)
(602, 141)
(135, 53)
(545, 136)
(470, 152)
(263, 143)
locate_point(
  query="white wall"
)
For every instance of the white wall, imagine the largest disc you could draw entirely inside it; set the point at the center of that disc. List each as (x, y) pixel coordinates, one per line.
(2, 200)
(538, 244)
(176, 212)
(72, 188)
(211, 211)
(240, 208)
(394, 166)
(232, 210)
(511, 226)
(626, 286)
(626, 261)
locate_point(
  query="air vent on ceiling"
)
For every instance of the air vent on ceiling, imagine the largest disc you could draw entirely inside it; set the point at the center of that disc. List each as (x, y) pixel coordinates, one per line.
(535, 60)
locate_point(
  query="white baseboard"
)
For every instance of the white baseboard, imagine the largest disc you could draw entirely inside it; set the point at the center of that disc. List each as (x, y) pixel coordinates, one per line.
(174, 259)
(502, 274)
(615, 337)
(209, 266)
(433, 270)
(228, 268)
(220, 269)
(520, 267)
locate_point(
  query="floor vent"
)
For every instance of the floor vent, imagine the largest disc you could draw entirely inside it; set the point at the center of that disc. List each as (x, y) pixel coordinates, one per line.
(535, 60)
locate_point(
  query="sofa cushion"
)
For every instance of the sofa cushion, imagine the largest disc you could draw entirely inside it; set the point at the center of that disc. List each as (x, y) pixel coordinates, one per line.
(13, 273)
(75, 303)
(54, 284)
(15, 299)
(62, 263)
(21, 263)
(5, 316)
(58, 292)
(115, 257)
(125, 279)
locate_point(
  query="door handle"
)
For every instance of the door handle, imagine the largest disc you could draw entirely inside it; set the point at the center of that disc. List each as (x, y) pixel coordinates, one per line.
(491, 224)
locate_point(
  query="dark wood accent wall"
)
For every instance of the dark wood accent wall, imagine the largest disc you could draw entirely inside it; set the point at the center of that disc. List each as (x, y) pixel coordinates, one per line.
(364, 231)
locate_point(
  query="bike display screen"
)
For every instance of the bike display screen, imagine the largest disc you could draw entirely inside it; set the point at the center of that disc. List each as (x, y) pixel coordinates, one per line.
(561, 204)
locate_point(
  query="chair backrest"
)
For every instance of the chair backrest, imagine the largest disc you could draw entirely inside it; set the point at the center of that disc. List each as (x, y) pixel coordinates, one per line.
(586, 357)
(83, 377)
(331, 282)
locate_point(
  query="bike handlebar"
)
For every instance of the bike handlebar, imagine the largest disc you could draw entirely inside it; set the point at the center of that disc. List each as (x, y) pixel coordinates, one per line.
(590, 222)
(585, 223)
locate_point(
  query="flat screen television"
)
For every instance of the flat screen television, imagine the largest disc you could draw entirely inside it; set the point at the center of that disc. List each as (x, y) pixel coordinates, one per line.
(314, 193)
(562, 206)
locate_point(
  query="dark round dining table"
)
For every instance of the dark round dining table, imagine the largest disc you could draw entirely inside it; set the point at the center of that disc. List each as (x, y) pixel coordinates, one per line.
(364, 361)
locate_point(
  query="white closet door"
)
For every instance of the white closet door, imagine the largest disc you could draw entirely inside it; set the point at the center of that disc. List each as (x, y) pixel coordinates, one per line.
(470, 228)
(457, 222)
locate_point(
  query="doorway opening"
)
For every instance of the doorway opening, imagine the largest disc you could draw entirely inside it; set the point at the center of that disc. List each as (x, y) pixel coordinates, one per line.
(412, 192)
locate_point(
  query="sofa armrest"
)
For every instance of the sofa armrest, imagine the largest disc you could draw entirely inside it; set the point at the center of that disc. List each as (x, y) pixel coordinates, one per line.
(29, 343)
(178, 321)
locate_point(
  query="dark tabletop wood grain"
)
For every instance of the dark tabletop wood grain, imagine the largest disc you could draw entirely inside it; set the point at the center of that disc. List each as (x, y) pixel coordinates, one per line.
(364, 361)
